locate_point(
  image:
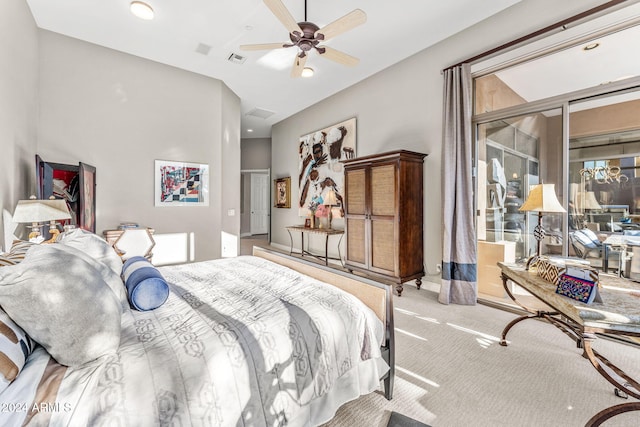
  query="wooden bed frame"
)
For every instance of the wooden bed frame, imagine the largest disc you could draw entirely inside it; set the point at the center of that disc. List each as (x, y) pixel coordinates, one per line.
(376, 296)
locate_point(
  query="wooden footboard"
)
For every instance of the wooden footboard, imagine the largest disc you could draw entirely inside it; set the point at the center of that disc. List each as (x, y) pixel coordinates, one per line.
(377, 296)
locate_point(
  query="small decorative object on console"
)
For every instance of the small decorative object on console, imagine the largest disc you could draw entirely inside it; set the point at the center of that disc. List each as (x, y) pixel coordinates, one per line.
(579, 289)
(551, 269)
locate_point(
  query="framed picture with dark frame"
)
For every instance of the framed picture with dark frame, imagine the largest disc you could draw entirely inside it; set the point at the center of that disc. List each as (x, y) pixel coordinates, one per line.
(282, 192)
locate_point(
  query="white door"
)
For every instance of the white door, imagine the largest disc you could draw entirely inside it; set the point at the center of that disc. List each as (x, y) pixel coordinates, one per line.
(259, 203)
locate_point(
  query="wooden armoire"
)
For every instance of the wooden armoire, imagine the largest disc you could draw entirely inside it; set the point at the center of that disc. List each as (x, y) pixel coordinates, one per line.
(383, 216)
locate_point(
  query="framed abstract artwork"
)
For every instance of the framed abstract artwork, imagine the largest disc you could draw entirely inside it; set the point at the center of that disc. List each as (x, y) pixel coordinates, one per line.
(282, 192)
(320, 169)
(181, 184)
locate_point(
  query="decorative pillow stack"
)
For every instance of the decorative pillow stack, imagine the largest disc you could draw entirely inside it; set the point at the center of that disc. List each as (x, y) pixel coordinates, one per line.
(146, 287)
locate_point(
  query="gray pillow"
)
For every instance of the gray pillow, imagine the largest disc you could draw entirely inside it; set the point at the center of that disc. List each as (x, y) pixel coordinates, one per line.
(63, 303)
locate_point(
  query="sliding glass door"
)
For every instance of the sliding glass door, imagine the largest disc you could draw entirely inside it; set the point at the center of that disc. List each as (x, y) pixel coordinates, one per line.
(513, 154)
(564, 110)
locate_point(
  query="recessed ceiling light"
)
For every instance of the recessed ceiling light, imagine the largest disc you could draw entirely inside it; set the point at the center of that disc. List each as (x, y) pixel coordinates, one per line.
(307, 72)
(591, 46)
(141, 10)
(249, 130)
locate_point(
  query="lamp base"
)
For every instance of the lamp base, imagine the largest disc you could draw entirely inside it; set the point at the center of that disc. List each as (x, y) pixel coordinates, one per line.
(35, 231)
(54, 232)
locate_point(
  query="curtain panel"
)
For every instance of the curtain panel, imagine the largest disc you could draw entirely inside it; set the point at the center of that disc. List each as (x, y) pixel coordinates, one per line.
(459, 246)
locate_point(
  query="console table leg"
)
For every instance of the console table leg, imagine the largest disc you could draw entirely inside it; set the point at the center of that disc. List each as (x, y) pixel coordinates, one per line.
(326, 250)
(611, 412)
(505, 331)
(291, 240)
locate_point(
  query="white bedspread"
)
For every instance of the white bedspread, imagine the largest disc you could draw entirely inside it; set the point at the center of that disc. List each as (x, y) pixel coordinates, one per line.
(240, 342)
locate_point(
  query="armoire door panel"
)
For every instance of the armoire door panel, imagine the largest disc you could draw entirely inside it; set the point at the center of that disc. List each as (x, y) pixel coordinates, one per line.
(356, 249)
(355, 182)
(383, 190)
(383, 245)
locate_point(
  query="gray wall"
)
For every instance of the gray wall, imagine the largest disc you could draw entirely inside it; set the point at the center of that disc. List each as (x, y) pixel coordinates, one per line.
(18, 104)
(256, 153)
(401, 108)
(119, 113)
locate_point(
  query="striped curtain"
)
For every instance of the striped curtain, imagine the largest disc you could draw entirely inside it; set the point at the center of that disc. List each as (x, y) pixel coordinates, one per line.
(459, 254)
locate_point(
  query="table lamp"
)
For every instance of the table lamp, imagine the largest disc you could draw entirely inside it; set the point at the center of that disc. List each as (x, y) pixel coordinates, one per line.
(37, 211)
(542, 199)
(330, 200)
(585, 201)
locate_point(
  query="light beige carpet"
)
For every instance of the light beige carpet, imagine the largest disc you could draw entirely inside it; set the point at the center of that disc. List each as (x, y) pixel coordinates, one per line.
(451, 371)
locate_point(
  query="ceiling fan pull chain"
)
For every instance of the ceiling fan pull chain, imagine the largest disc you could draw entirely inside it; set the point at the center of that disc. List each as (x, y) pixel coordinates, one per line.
(305, 10)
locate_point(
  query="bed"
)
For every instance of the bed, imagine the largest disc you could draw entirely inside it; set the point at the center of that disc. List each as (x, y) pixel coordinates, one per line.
(262, 340)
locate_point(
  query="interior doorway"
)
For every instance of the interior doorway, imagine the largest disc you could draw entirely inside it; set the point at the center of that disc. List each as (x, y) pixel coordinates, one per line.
(259, 222)
(255, 203)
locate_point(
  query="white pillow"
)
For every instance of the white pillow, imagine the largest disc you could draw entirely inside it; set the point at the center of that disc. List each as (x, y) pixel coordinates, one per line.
(100, 255)
(63, 303)
(94, 246)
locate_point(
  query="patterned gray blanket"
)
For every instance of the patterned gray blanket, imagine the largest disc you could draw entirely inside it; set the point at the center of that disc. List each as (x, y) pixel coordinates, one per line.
(240, 342)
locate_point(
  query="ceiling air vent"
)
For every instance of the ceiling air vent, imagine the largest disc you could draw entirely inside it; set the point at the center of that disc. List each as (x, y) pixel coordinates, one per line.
(261, 113)
(236, 59)
(203, 48)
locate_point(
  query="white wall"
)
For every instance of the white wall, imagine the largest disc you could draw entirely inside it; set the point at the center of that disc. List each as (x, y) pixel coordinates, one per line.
(230, 168)
(401, 108)
(119, 113)
(18, 104)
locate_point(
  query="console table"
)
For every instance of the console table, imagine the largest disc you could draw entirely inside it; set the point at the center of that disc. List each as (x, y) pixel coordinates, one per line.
(326, 232)
(618, 314)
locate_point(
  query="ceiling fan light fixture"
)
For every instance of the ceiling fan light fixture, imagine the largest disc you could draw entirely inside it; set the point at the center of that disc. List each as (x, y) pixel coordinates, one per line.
(307, 72)
(141, 10)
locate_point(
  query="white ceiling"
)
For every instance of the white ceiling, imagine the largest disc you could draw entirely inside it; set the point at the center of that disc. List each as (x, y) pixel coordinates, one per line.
(394, 31)
(574, 68)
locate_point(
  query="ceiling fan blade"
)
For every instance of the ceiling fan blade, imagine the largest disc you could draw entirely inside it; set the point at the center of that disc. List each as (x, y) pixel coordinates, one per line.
(298, 66)
(283, 14)
(338, 56)
(263, 46)
(340, 25)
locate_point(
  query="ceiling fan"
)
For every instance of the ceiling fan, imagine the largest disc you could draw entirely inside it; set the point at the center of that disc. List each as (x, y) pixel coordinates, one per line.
(307, 35)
